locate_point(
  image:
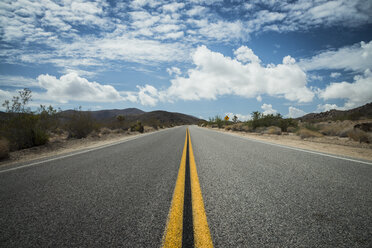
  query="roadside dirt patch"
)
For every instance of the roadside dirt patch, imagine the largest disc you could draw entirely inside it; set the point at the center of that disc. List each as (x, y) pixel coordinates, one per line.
(327, 144)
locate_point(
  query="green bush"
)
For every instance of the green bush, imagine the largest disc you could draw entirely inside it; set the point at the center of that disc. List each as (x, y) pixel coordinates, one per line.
(138, 127)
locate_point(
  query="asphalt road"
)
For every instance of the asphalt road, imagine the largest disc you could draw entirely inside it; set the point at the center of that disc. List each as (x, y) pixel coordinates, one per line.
(255, 195)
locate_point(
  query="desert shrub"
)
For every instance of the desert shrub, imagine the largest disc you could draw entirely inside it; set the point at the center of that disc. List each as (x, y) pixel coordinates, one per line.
(105, 131)
(292, 129)
(344, 132)
(311, 126)
(273, 130)
(138, 127)
(306, 133)
(219, 121)
(216, 121)
(80, 124)
(4, 149)
(22, 127)
(359, 135)
(228, 128)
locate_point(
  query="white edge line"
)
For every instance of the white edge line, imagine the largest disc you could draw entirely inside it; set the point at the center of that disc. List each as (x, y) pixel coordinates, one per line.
(81, 152)
(293, 148)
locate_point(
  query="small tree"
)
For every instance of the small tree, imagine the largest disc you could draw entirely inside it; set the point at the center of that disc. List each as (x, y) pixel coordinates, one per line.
(235, 119)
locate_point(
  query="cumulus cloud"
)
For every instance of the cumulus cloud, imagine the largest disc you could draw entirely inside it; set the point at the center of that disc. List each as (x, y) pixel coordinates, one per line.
(216, 75)
(148, 95)
(356, 93)
(295, 112)
(268, 109)
(245, 54)
(71, 87)
(359, 58)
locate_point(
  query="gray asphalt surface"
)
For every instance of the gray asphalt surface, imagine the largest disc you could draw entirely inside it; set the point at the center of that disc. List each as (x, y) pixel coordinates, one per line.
(255, 195)
(118, 196)
(259, 195)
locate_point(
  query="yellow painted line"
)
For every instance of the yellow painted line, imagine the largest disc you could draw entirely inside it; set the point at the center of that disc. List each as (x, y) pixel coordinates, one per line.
(202, 235)
(173, 233)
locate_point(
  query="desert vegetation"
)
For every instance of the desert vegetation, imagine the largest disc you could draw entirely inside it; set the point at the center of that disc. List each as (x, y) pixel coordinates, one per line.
(346, 125)
(21, 127)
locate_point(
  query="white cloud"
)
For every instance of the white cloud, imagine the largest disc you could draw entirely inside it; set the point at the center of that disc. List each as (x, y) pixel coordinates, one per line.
(196, 11)
(245, 54)
(335, 75)
(148, 95)
(268, 109)
(259, 98)
(173, 7)
(356, 93)
(354, 58)
(327, 107)
(174, 70)
(17, 81)
(71, 87)
(295, 112)
(216, 75)
(220, 30)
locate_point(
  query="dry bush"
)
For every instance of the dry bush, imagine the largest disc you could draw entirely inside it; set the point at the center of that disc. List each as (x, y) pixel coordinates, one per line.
(292, 129)
(80, 124)
(359, 135)
(306, 133)
(260, 129)
(105, 131)
(4, 149)
(148, 129)
(273, 130)
(345, 132)
(228, 128)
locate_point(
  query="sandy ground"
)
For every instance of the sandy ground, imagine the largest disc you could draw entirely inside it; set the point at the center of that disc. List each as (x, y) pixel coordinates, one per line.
(61, 145)
(327, 144)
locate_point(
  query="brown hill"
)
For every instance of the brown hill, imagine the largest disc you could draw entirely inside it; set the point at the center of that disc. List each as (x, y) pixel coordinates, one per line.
(132, 115)
(362, 112)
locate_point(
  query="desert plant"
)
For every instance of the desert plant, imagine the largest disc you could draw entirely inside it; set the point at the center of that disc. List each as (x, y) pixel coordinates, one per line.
(138, 127)
(219, 121)
(4, 149)
(359, 135)
(306, 133)
(273, 130)
(80, 124)
(22, 127)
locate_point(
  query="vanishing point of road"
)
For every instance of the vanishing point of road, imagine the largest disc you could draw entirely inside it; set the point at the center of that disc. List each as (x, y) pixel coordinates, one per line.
(190, 187)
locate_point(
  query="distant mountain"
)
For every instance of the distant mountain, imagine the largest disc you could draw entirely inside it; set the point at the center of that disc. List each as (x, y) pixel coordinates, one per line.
(364, 111)
(108, 114)
(133, 115)
(164, 117)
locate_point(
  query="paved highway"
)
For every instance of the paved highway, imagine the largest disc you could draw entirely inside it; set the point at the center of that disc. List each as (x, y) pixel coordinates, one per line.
(125, 195)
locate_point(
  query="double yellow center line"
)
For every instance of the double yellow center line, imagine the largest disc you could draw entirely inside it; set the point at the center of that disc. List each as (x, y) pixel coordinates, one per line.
(174, 230)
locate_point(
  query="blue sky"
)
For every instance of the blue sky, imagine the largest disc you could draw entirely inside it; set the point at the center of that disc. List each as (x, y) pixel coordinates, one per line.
(199, 57)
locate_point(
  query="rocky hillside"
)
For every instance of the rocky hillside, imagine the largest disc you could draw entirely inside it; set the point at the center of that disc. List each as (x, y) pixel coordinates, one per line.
(362, 112)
